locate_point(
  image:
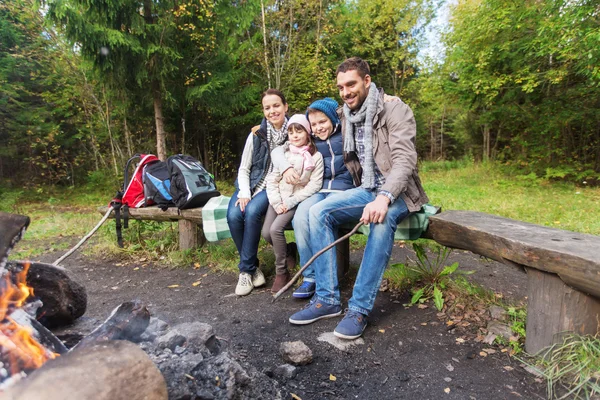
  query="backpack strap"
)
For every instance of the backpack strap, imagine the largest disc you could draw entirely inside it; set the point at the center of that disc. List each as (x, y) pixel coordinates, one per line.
(125, 216)
(116, 204)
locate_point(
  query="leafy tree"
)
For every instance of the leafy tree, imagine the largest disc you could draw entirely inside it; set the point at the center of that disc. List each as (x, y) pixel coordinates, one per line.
(136, 44)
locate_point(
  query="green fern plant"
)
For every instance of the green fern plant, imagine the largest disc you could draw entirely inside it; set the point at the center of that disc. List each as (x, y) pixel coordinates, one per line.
(432, 274)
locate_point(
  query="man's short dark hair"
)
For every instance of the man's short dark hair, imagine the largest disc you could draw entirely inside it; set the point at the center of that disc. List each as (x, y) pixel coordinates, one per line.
(354, 63)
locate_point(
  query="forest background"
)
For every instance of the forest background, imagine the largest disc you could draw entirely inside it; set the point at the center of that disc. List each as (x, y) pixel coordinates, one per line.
(84, 84)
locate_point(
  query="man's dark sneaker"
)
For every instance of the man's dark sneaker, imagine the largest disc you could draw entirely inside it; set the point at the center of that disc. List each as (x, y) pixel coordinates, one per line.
(305, 291)
(314, 311)
(352, 326)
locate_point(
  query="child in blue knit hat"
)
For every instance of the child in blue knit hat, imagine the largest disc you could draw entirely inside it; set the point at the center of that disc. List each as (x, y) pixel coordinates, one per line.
(325, 125)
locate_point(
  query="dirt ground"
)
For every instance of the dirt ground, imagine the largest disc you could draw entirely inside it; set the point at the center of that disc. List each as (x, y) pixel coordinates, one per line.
(408, 353)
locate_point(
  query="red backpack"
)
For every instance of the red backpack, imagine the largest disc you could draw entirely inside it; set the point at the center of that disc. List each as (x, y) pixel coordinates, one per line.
(131, 195)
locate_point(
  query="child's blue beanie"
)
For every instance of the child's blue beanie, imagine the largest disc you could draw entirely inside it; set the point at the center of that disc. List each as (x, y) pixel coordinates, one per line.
(327, 106)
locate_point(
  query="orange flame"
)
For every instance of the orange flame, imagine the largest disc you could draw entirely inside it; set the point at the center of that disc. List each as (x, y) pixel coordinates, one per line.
(23, 350)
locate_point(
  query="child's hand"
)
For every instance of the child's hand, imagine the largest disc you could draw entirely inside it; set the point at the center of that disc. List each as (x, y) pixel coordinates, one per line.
(281, 209)
(291, 176)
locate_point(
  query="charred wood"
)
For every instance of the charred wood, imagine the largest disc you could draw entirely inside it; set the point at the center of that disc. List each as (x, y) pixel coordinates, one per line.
(64, 300)
(127, 322)
(12, 228)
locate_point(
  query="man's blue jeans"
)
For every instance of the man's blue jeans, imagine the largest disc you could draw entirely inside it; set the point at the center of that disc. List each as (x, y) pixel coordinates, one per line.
(347, 208)
(302, 232)
(245, 228)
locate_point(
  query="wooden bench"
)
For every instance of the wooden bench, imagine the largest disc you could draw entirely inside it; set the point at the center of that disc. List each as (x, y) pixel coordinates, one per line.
(190, 222)
(563, 267)
(191, 234)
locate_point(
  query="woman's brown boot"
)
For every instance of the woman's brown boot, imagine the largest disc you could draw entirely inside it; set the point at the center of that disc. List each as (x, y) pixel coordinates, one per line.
(280, 281)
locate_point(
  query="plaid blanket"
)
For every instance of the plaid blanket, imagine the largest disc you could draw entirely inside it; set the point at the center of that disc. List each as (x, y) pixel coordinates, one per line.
(214, 221)
(411, 227)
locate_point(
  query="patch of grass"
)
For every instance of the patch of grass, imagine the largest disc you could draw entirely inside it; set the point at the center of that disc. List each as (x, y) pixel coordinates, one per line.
(487, 188)
(572, 368)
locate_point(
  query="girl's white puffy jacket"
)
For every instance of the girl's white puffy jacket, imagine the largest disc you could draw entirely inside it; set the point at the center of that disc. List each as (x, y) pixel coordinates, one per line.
(310, 182)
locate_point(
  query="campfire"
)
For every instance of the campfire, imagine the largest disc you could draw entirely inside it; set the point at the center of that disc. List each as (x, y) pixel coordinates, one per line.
(20, 352)
(128, 356)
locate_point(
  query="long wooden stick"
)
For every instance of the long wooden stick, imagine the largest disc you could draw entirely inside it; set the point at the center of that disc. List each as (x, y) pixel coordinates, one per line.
(86, 237)
(313, 258)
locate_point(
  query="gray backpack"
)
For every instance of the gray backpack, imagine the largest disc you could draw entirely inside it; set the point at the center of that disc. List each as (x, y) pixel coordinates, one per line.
(191, 184)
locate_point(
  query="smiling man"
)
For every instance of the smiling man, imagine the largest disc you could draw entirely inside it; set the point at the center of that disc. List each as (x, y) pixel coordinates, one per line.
(382, 137)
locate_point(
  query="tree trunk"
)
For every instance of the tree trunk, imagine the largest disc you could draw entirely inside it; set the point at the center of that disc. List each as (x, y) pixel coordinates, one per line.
(183, 135)
(264, 29)
(161, 142)
(432, 140)
(486, 142)
(442, 133)
(319, 29)
(112, 143)
(127, 138)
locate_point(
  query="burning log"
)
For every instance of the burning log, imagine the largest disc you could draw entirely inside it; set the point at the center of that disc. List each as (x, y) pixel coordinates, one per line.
(128, 321)
(64, 300)
(113, 370)
(20, 349)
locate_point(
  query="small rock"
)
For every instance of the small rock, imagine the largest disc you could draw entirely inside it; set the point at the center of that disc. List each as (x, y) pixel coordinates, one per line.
(170, 340)
(500, 329)
(179, 350)
(285, 371)
(497, 313)
(196, 333)
(296, 353)
(450, 367)
(156, 327)
(403, 376)
(448, 379)
(338, 343)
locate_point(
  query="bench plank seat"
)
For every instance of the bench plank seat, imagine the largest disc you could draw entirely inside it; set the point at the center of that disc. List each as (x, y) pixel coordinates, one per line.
(574, 257)
(156, 214)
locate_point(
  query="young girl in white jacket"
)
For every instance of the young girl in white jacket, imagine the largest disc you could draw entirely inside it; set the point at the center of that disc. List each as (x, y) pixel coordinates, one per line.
(303, 156)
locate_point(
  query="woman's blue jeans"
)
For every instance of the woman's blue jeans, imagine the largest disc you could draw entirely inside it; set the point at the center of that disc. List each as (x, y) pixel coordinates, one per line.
(245, 228)
(347, 208)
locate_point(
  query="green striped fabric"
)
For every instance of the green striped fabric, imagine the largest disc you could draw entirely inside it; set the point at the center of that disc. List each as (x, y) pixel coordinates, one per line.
(214, 221)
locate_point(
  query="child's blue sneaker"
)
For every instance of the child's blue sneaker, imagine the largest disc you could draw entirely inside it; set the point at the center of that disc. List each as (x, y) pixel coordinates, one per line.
(305, 291)
(314, 311)
(352, 326)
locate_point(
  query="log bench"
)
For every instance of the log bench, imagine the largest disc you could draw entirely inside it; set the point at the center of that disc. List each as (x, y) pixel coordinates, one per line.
(191, 234)
(562, 267)
(190, 229)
